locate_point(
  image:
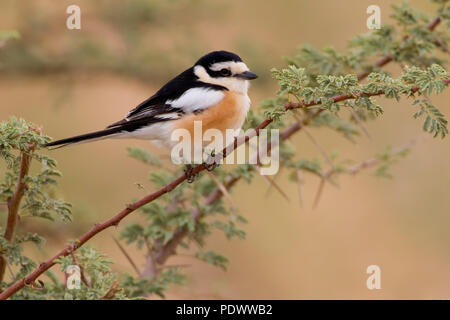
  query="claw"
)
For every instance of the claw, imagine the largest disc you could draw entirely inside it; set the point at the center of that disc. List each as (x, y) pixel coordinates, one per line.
(188, 173)
(212, 162)
(211, 167)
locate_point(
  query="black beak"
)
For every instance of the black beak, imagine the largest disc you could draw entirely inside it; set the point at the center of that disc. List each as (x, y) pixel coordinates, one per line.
(247, 75)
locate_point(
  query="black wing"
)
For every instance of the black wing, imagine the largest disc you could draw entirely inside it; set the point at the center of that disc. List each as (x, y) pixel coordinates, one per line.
(148, 111)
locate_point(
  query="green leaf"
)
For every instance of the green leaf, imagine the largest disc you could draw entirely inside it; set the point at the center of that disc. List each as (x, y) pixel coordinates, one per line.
(213, 258)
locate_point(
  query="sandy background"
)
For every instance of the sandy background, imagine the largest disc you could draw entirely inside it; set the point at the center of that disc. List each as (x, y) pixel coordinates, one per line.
(290, 252)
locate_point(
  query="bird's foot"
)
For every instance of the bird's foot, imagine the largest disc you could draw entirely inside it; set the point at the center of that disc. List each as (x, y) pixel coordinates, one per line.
(190, 176)
(213, 161)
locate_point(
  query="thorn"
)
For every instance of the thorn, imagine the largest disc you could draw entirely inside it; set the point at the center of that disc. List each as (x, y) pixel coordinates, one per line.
(360, 123)
(319, 193)
(36, 287)
(271, 182)
(300, 187)
(127, 256)
(274, 180)
(223, 189)
(319, 147)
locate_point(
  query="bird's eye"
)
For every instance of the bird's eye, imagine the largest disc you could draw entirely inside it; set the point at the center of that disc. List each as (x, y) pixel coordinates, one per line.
(225, 72)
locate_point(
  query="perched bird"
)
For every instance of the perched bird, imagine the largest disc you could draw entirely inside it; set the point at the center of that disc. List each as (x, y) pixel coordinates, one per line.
(213, 91)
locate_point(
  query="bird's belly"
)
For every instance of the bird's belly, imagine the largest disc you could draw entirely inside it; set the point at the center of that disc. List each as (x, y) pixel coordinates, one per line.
(229, 113)
(157, 131)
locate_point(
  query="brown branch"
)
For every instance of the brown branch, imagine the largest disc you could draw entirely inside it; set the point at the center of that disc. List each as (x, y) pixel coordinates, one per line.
(388, 58)
(114, 221)
(170, 247)
(343, 97)
(13, 203)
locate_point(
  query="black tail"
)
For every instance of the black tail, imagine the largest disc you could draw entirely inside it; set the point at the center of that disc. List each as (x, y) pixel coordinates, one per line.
(85, 137)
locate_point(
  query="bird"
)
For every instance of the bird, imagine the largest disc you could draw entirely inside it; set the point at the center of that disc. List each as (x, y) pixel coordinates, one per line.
(213, 92)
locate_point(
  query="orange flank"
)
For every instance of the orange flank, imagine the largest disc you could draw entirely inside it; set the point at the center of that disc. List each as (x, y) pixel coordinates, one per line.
(229, 113)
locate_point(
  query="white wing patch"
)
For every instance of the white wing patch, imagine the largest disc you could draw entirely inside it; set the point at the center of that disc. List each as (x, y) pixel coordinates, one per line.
(170, 116)
(197, 99)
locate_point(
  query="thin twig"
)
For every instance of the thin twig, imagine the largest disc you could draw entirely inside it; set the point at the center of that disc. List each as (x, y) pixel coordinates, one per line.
(319, 192)
(13, 203)
(11, 273)
(127, 256)
(270, 182)
(112, 291)
(300, 187)
(184, 265)
(275, 178)
(388, 58)
(375, 161)
(222, 188)
(360, 123)
(314, 141)
(343, 97)
(319, 147)
(360, 166)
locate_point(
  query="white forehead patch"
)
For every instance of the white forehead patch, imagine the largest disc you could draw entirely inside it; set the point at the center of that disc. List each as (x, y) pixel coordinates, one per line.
(234, 67)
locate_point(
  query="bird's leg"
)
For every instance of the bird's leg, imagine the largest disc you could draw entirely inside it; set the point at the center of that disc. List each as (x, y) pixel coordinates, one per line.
(213, 161)
(190, 177)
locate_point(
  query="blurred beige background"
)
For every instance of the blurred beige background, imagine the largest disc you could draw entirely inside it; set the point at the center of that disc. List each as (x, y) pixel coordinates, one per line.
(290, 252)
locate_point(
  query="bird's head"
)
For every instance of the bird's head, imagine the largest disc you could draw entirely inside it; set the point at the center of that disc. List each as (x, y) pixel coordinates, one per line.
(225, 69)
